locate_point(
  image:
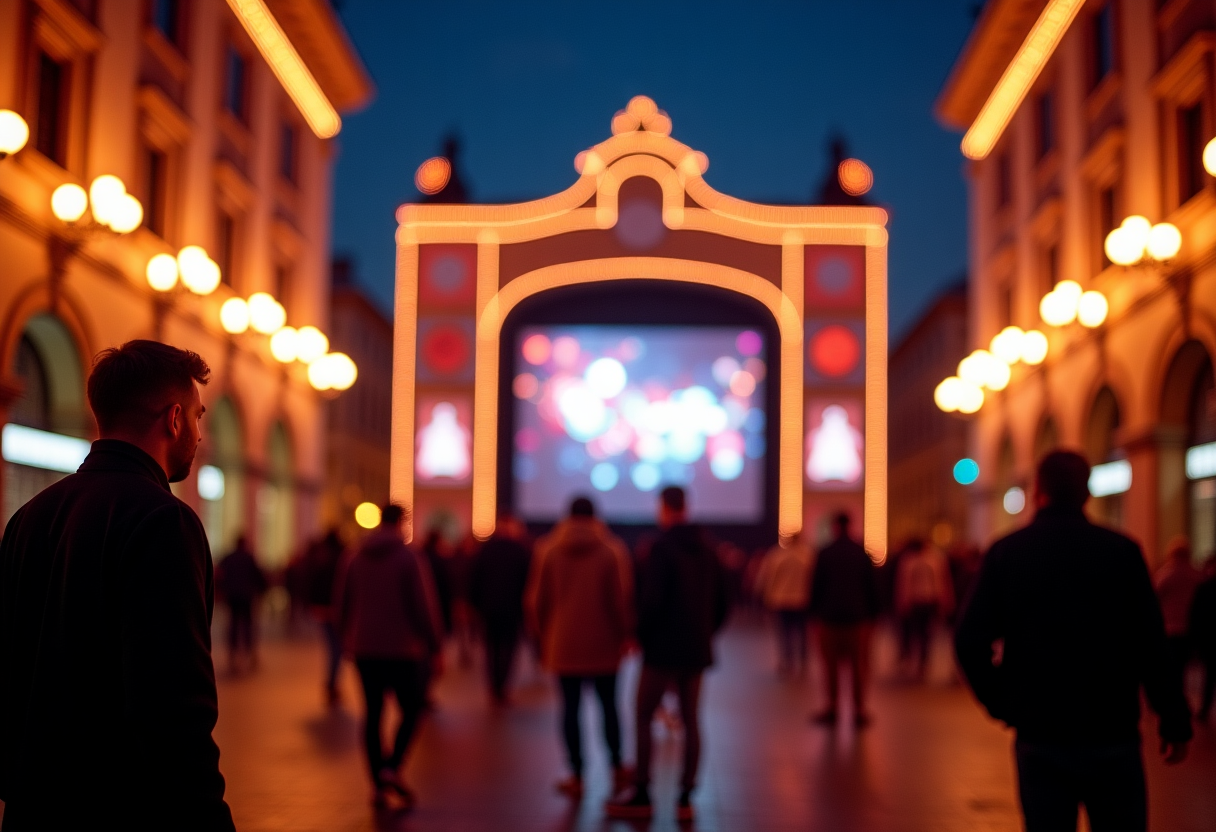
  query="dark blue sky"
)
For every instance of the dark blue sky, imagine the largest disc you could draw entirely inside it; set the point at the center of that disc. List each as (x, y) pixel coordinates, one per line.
(758, 86)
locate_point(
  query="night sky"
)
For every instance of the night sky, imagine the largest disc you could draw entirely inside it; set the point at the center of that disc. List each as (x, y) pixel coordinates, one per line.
(758, 86)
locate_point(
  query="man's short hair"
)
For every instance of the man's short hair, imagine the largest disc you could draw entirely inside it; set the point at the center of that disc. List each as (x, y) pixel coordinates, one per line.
(131, 385)
(391, 515)
(673, 498)
(1063, 478)
(582, 507)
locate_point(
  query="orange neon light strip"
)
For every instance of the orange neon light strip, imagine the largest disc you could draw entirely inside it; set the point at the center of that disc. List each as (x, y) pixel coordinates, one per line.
(288, 66)
(1018, 77)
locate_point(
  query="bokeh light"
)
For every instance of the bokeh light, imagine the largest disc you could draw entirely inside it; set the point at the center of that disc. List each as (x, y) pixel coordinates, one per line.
(433, 175)
(966, 471)
(855, 177)
(367, 515)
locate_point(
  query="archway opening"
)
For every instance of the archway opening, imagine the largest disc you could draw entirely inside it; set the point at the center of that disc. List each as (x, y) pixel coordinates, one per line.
(276, 501)
(1111, 476)
(221, 482)
(1187, 453)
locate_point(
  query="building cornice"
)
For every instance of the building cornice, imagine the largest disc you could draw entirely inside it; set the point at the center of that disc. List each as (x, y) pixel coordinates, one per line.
(317, 33)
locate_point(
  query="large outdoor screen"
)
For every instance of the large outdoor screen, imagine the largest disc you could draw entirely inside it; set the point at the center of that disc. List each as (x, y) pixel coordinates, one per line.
(617, 412)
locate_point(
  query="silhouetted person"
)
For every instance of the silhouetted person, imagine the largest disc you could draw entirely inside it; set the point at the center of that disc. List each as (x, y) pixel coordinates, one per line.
(1175, 583)
(497, 580)
(321, 561)
(579, 606)
(783, 583)
(922, 595)
(844, 605)
(1202, 630)
(435, 550)
(240, 582)
(683, 599)
(1062, 631)
(389, 619)
(107, 690)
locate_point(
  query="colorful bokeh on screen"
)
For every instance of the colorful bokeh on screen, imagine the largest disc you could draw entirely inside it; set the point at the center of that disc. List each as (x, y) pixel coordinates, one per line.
(617, 412)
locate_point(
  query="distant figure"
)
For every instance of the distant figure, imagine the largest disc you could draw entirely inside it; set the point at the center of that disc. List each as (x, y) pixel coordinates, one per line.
(923, 594)
(783, 584)
(1175, 583)
(389, 620)
(1060, 634)
(460, 566)
(844, 605)
(321, 562)
(1202, 629)
(105, 621)
(240, 582)
(683, 600)
(579, 607)
(438, 557)
(497, 580)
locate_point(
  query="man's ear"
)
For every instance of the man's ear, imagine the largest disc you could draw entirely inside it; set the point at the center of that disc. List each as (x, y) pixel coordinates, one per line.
(175, 419)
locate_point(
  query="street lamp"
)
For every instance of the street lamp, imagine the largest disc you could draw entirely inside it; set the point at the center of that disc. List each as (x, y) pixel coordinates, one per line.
(14, 133)
(113, 208)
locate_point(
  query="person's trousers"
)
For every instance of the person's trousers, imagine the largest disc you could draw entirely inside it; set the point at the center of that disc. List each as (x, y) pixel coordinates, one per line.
(1108, 780)
(845, 644)
(1207, 660)
(501, 641)
(791, 638)
(653, 683)
(407, 679)
(572, 697)
(916, 632)
(240, 626)
(333, 647)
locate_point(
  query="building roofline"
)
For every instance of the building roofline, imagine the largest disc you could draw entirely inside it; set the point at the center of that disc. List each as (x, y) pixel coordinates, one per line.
(317, 33)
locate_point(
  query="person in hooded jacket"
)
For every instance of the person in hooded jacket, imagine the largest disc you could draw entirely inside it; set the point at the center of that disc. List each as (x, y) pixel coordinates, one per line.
(389, 619)
(497, 579)
(683, 600)
(579, 608)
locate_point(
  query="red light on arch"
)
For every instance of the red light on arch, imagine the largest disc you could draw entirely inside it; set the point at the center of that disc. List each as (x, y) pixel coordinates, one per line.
(834, 351)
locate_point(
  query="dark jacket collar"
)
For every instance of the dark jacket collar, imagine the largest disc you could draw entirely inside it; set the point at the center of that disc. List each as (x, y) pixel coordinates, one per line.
(1051, 513)
(116, 455)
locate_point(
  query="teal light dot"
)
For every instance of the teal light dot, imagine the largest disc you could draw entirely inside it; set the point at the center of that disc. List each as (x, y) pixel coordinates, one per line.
(966, 471)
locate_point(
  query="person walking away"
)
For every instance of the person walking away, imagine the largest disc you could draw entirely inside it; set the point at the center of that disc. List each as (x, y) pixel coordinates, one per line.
(1175, 583)
(1202, 632)
(240, 582)
(389, 619)
(497, 580)
(783, 583)
(683, 600)
(320, 572)
(844, 605)
(106, 591)
(1061, 633)
(439, 556)
(922, 595)
(579, 607)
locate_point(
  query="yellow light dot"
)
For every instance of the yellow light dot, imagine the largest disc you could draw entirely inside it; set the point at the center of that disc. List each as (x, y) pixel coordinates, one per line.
(367, 515)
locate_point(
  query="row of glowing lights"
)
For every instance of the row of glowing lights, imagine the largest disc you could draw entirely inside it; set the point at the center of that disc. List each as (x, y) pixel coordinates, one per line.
(1135, 241)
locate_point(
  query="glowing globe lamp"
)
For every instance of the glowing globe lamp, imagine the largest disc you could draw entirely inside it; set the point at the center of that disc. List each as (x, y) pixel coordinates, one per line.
(1058, 308)
(977, 368)
(966, 471)
(343, 371)
(199, 272)
(971, 397)
(69, 202)
(1092, 309)
(1209, 157)
(1034, 347)
(162, 272)
(1164, 241)
(319, 374)
(105, 195)
(1135, 230)
(367, 515)
(14, 133)
(1007, 344)
(283, 345)
(1121, 248)
(311, 344)
(266, 315)
(998, 374)
(234, 316)
(127, 214)
(947, 394)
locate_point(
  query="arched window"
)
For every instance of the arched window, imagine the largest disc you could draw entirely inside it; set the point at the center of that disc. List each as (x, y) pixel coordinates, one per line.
(1112, 471)
(221, 481)
(1187, 454)
(276, 502)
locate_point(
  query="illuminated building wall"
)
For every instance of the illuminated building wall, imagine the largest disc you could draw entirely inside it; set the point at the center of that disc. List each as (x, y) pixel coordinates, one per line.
(640, 210)
(1113, 123)
(179, 101)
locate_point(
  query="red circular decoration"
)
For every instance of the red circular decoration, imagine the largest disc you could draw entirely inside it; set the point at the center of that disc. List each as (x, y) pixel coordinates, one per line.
(835, 351)
(446, 349)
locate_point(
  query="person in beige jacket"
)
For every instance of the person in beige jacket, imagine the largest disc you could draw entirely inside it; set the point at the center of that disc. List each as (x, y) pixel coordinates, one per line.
(783, 584)
(579, 606)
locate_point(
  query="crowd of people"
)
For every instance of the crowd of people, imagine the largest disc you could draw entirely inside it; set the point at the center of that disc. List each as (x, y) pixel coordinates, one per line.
(107, 585)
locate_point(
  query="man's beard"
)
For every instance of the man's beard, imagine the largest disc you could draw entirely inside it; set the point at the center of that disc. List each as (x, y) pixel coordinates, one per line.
(181, 459)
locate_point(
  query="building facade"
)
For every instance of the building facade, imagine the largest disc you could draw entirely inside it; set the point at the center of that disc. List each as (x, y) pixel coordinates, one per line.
(925, 444)
(179, 101)
(1114, 125)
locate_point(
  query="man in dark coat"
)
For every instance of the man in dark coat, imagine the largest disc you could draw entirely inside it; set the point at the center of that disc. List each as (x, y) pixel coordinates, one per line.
(1060, 634)
(240, 583)
(683, 600)
(844, 605)
(107, 690)
(497, 580)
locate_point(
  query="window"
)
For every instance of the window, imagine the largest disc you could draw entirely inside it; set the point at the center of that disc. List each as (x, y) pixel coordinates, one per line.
(156, 185)
(166, 19)
(1191, 140)
(1106, 219)
(287, 152)
(225, 246)
(282, 284)
(51, 125)
(1004, 181)
(1052, 266)
(1006, 302)
(1103, 42)
(236, 83)
(1047, 124)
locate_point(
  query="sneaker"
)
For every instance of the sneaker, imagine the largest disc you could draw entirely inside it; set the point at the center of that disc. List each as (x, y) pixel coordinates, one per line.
(827, 717)
(630, 806)
(572, 786)
(684, 810)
